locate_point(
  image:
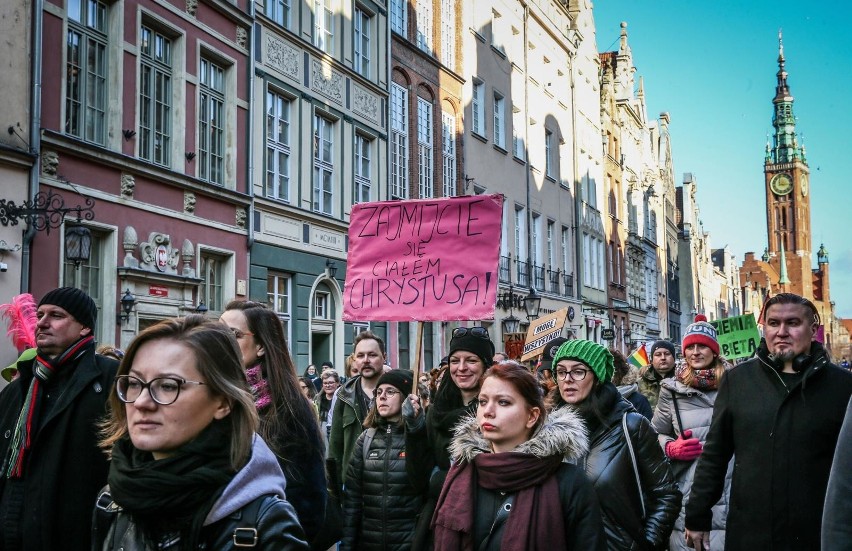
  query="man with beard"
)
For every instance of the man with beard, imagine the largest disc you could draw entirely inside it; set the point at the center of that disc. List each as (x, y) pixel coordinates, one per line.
(354, 399)
(662, 367)
(780, 413)
(52, 467)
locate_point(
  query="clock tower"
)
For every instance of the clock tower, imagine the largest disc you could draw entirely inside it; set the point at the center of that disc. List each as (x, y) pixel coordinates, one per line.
(788, 207)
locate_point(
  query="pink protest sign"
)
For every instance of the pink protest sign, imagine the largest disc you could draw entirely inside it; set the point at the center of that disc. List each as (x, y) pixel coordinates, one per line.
(423, 260)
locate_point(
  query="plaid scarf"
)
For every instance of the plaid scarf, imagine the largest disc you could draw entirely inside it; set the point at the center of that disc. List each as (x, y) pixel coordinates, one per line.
(702, 379)
(43, 370)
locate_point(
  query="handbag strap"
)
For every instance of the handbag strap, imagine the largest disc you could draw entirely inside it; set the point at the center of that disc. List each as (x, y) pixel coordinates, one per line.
(633, 462)
(499, 519)
(677, 412)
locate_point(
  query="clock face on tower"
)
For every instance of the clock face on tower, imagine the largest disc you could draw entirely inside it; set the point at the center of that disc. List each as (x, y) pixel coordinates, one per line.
(804, 185)
(781, 184)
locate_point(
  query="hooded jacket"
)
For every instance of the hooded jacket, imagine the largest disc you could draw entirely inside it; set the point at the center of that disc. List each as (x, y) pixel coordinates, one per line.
(784, 439)
(258, 485)
(347, 423)
(562, 434)
(696, 411)
(610, 469)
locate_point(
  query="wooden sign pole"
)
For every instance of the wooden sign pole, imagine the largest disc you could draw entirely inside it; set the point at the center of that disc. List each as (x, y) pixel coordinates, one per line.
(418, 354)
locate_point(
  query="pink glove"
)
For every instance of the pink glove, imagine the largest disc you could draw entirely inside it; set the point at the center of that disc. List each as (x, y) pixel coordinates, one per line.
(685, 448)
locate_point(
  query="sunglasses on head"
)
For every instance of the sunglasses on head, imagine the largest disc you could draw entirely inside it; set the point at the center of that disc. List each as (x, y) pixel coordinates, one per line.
(477, 331)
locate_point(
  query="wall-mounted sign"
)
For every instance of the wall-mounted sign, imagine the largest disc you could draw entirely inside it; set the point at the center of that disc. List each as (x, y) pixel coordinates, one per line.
(608, 334)
(158, 291)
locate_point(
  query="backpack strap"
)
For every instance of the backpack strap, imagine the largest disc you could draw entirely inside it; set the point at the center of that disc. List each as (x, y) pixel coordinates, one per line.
(245, 534)
(369, 434)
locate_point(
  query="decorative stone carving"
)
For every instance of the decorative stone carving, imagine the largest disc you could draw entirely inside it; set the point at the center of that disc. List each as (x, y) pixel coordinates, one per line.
(242, 37)
(128, 185)
(187, 253)
(158, 255)
(327, 81)
(241, 217)
(49, 163)
(129, 243)
(192, 7)
(188, 202)
(282, 57)
(365, 103)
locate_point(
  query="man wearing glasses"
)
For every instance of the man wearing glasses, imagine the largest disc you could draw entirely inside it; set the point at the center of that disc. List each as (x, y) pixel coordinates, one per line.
(52, 467)
(354, 399)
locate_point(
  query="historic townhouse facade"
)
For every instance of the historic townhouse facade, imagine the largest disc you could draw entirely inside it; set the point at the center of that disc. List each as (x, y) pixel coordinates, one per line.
(319, 133)
(532, 134)
(145, 112)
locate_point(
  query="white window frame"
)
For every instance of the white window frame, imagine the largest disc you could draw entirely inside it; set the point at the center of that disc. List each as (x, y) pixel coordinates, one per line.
(478, 108)
(211, 121)
(212, 292)
(324, 14)
(86, 97)
(448, 33)
(399, 142)
(362, 49)
(278, 11)
(564, 240)
(279, 298)
(520, 234)
(425, 18)
(425, 149)
(549, 164)
(321, 305)
(448, 151)
(363, 169)
(399, 16)
(536, 239)
(518, 149)
(155, 96)
(550, 227)
(499, 120)
(278, 153)
(323, 182)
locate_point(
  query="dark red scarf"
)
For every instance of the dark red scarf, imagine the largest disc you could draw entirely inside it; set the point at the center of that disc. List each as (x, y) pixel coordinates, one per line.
(536, 522)
(43, 370)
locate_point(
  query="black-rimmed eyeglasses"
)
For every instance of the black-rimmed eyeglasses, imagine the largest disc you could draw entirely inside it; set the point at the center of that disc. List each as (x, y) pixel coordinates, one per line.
(576, 374)
(163, 390)
(477, 331)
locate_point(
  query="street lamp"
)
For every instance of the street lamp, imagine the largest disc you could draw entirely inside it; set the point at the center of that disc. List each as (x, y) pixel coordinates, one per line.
(128, 301)
(510, 324)
(78, 244)
(532, 304)
(330, 268)
(201, 308)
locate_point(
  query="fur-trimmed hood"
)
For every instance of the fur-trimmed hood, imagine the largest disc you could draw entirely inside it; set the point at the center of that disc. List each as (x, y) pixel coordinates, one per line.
(562, 432)
(631, 377)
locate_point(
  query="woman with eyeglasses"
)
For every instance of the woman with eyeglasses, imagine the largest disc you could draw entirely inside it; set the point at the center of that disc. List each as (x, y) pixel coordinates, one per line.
(638, 496)
(514, 483)
(288, 420)
(471, 353)
(383, 494)
(187, 469)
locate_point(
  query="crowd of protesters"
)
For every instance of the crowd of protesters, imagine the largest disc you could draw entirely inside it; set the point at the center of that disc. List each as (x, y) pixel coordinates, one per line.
(203, 435)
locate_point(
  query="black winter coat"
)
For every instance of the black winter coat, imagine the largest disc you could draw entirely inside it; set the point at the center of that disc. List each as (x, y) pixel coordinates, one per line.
(382, 499)
(784, 441)
(66, 468)
(610, 468)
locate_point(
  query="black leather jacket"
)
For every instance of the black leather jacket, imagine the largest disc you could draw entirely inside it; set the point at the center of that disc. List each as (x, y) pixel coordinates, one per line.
(610, 469)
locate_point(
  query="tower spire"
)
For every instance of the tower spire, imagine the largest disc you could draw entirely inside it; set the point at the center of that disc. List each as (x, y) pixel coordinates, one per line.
(784, 146)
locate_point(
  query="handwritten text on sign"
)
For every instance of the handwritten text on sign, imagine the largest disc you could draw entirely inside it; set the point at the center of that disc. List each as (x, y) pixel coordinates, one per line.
(424, 260)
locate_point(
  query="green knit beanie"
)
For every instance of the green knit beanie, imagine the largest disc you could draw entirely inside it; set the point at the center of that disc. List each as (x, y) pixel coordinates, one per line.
(597, 357)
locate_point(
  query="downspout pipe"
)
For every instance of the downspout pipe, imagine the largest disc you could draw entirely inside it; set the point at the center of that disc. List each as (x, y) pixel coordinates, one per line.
(527, 143)
(35, 133)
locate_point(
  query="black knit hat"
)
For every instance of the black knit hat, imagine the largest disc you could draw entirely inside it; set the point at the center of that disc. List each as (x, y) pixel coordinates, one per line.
(663, 344)
(476, 341)
(75, 302)
(549, 351)
(402, 379)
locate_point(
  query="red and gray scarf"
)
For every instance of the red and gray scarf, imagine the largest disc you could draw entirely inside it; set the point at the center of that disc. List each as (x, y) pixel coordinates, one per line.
(43, 370)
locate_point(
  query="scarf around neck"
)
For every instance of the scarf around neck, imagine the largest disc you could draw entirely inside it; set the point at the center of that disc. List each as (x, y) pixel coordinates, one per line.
(259, 387)
(173, 494)
(702, 379)
(44, 369)
(536, 521)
